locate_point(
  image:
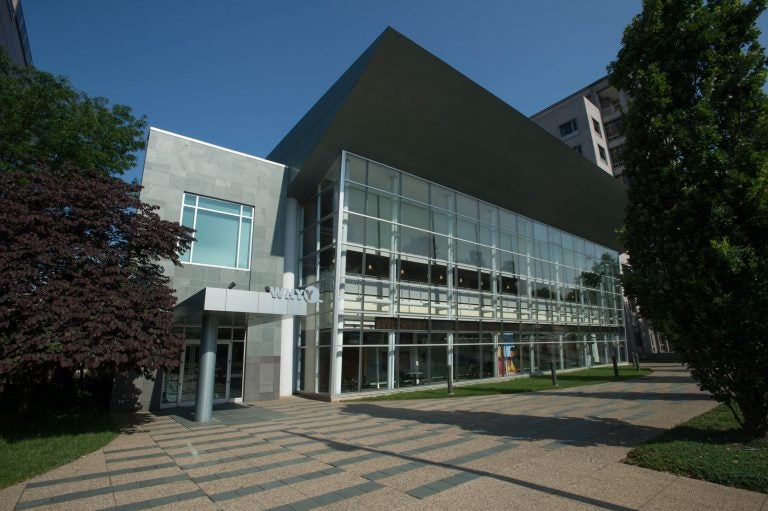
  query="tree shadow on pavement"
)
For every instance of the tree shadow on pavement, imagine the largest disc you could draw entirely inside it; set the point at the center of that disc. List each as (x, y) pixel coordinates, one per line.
(569, 430)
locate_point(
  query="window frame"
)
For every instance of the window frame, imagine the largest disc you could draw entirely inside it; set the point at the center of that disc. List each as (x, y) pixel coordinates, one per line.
(602, 153)
(596, 127)
(196, 207)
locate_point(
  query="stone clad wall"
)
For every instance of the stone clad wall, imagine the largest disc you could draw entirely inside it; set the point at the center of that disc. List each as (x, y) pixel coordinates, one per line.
(175, 164)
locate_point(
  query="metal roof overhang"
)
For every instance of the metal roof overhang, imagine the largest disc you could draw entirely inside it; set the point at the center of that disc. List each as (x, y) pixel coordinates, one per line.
(402, 106)
(234, 303)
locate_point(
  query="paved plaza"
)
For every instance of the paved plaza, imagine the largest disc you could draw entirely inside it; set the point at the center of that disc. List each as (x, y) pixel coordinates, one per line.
(552, 450)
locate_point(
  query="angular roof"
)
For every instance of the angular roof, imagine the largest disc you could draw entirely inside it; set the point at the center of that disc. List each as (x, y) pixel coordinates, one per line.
(400, 105)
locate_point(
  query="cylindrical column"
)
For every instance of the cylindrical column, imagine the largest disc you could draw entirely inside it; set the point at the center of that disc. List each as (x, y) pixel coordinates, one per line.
(204, 400)
(290, 260)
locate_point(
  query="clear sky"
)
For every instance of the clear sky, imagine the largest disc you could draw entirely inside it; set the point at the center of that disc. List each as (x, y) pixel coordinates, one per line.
(241, 73)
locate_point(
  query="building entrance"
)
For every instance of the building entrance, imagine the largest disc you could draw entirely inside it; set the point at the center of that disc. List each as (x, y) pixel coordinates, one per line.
(180, 384)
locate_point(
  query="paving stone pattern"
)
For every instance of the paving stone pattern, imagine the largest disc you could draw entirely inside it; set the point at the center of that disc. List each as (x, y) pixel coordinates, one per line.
(559, 449)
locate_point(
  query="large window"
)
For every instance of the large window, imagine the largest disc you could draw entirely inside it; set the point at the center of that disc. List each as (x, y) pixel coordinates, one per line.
(222, 232)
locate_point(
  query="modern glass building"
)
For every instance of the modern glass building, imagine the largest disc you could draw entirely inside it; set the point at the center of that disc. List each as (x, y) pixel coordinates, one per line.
(415, 276)
(410, 222)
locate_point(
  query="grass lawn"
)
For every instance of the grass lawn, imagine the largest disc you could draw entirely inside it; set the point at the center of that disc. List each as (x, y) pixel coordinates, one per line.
(517, 385)
(708, 447)
(42, 442)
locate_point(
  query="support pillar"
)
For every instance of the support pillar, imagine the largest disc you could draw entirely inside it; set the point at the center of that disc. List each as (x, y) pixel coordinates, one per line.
(287, 326)
(204, 399)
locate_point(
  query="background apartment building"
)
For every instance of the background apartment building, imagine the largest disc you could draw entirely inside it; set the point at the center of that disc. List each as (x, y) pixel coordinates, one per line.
(589, 121)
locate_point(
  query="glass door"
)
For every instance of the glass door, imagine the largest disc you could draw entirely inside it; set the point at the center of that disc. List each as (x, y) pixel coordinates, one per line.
(221, 378)
(180, 385)
(190, 372)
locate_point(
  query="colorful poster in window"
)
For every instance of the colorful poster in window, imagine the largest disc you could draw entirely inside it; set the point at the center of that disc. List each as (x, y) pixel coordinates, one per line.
(506, 355)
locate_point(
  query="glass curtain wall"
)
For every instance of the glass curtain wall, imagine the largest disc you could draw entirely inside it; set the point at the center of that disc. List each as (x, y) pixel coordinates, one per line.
(429, 276)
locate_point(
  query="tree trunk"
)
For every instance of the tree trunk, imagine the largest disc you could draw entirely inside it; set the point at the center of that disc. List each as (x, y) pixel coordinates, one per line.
(26, 398)
(755, 420)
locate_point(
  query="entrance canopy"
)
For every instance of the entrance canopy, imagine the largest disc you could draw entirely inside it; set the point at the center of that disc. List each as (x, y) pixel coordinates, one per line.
(224, 302)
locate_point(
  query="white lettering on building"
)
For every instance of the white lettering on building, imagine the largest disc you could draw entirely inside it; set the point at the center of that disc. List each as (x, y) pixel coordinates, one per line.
(309, 294)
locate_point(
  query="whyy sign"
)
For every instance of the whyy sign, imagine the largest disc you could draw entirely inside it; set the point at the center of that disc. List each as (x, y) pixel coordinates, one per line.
(309, 294)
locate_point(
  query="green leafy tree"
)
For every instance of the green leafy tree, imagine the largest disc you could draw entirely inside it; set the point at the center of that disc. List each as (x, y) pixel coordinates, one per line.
(81, 287)
(696, 160)
(42, 118)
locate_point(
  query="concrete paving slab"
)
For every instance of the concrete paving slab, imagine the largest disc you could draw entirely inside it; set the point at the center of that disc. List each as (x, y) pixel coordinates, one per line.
(559, 449)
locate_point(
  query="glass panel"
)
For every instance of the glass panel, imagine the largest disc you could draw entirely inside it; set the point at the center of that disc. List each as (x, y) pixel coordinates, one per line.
(350, 369)
(466, 206)
(248, 211)
(375, 338)
(414, 271)
(438, 275)
(171, 386)
(308, 270)
(355, 199)
(466, 230)
(379, 205)
(415, 242)
(327, 262)
(356, 169)
(466, 279)
(374, 368)
(327, 202)
(383, 178)
(507, 262)
(468, 253)
(323, 369)
(524, 227)
(414, 215)
(310, 212)
(489, 214)
(236, 371)
(191, 372)
(326, 232)
(468, 359)
(216, 239)
(220, 371)
(378, 234)
(309, 240)
(244, 258)
(355, 229)
(415, 188)
(438, 363)
(440, 247)
(442, 197)
(354, 263)
(442, 223)
(377, 266)
(189, 199)
(508, 221)
(219, 205)
(187, 220)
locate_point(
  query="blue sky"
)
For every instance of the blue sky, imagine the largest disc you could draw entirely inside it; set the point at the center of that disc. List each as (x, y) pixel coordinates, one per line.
(240, 73)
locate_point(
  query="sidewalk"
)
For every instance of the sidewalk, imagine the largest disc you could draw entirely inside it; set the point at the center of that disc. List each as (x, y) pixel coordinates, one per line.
(551, 450)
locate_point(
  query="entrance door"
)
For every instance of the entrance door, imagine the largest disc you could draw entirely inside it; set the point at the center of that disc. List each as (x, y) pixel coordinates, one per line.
(180, 385)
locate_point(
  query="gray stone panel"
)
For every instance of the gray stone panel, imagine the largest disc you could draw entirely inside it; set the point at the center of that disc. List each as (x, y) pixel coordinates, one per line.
(262, 378)
(176, 164)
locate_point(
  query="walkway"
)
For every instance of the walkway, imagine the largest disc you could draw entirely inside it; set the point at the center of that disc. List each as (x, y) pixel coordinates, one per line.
(545, 451)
